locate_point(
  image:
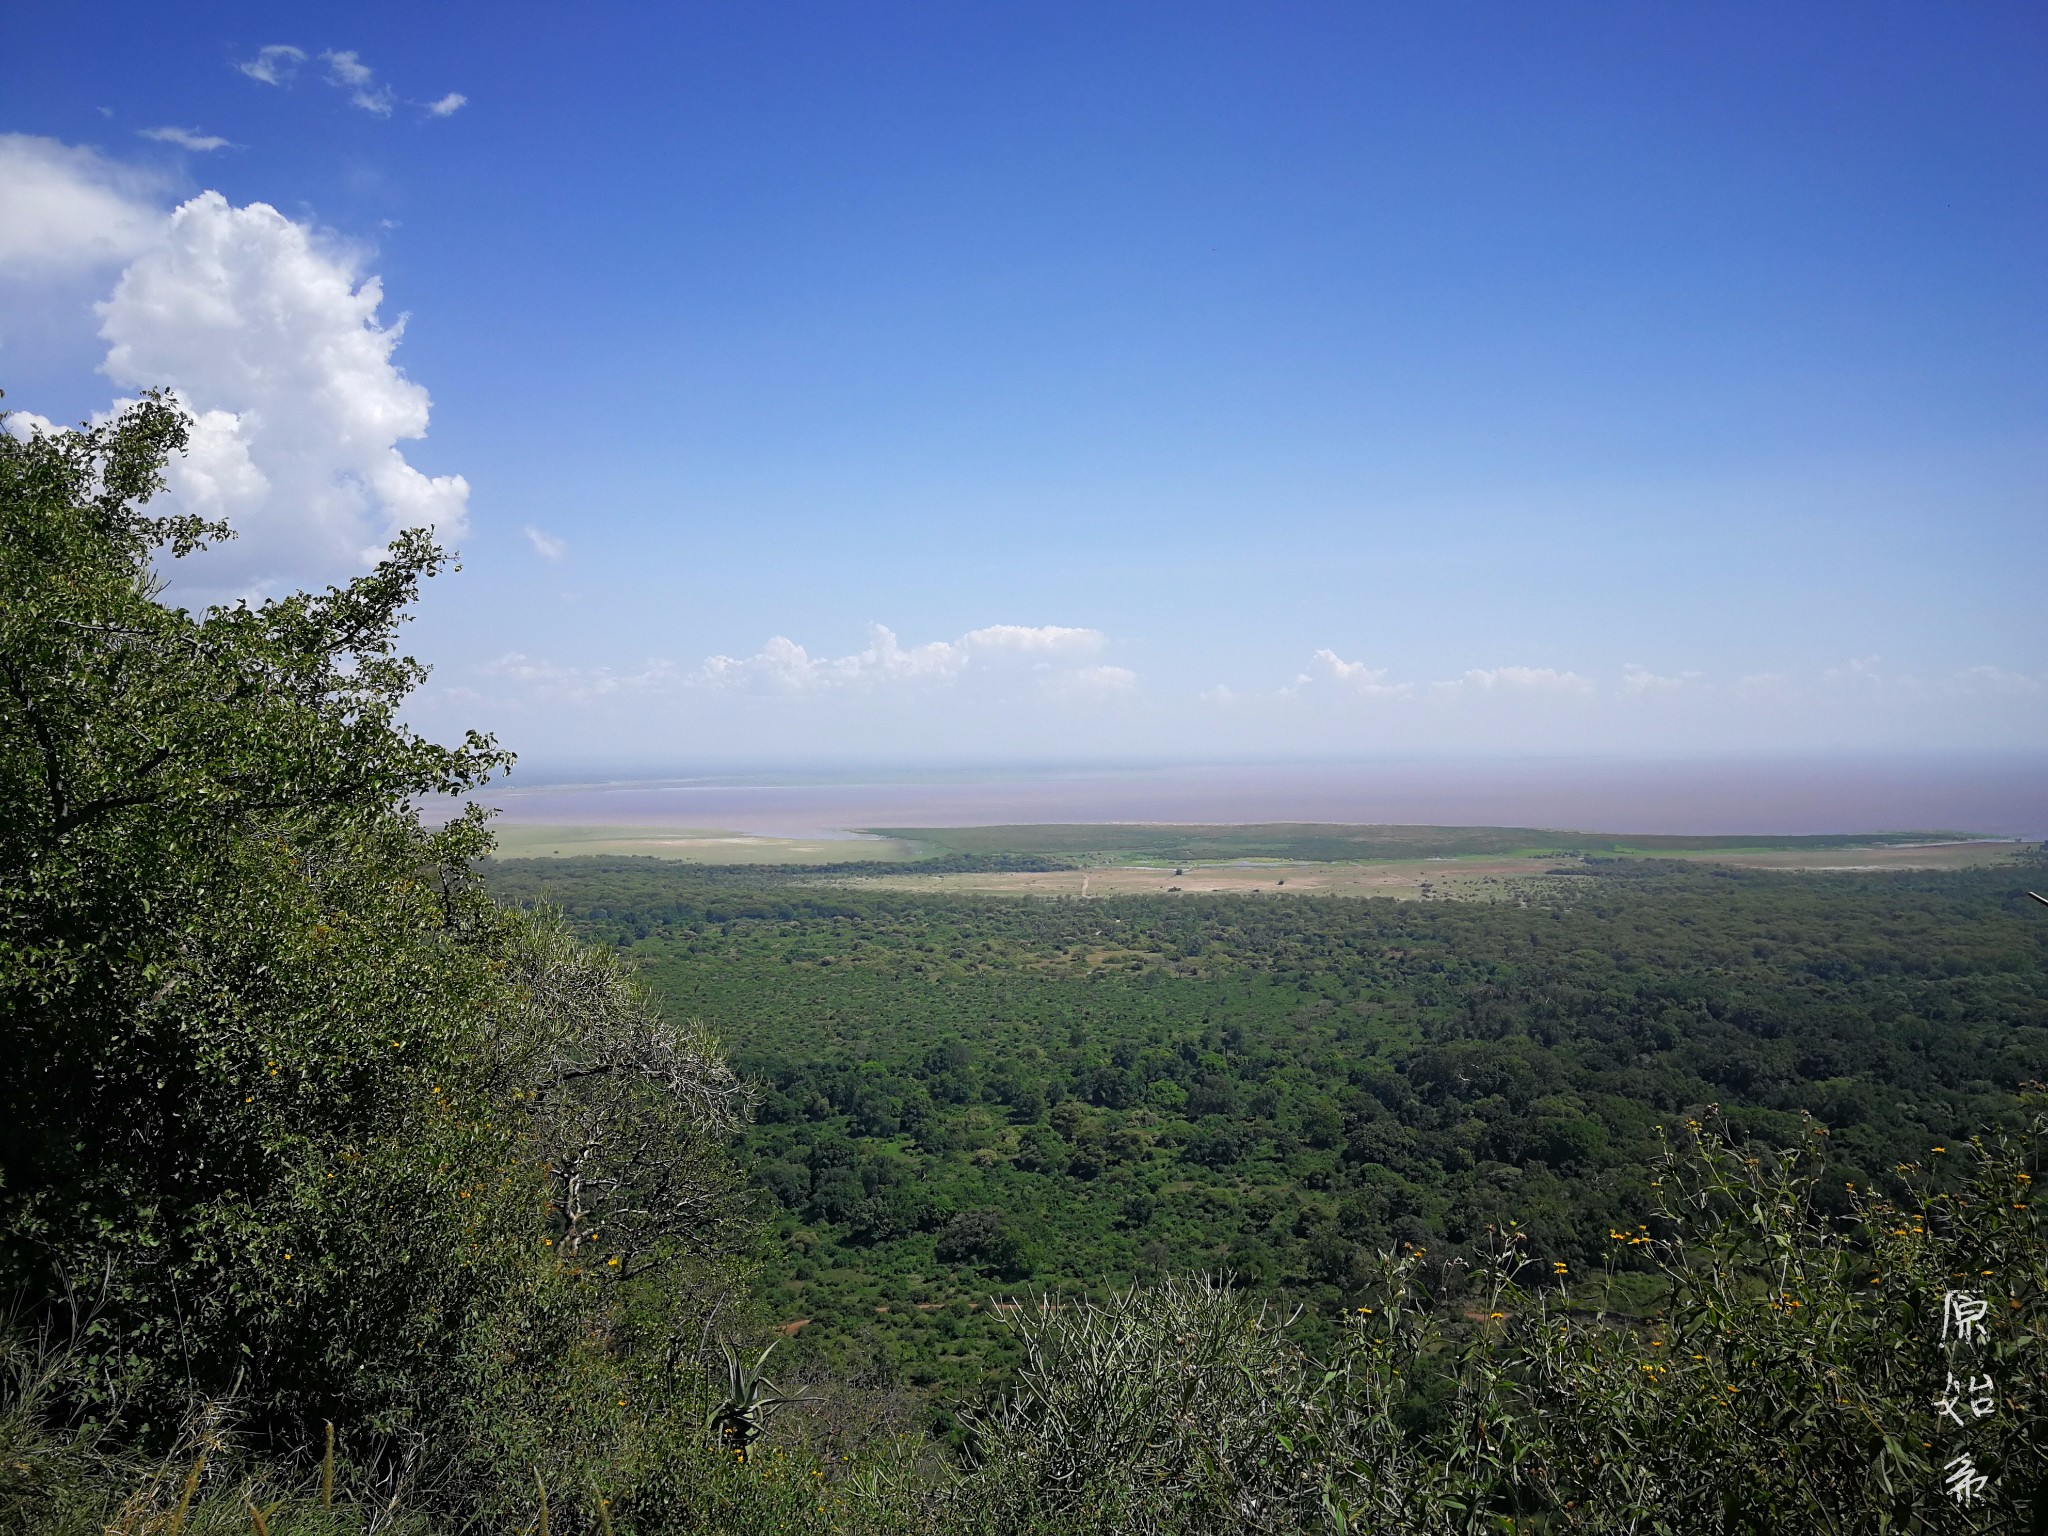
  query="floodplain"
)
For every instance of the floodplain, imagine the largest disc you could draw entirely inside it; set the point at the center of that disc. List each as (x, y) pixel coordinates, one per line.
(1471, 877)
(1415, 863)
(695, 845)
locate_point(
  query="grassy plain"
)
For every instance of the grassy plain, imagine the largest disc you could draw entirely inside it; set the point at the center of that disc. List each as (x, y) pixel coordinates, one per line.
(697, 845)
(1517, 877)
(1331, 842)
(1469, 879)
(1416, 863)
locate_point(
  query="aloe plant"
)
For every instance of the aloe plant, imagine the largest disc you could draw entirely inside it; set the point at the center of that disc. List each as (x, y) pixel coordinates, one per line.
(740, 1418)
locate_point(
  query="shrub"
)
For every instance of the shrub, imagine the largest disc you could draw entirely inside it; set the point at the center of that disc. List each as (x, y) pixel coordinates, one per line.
(1789, 1379)
(985, 1238)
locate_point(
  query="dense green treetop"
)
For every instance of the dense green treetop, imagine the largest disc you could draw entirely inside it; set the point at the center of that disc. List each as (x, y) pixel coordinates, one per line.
(291, 1104)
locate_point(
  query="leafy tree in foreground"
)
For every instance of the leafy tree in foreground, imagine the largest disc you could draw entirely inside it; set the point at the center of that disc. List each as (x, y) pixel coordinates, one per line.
(291, 1108)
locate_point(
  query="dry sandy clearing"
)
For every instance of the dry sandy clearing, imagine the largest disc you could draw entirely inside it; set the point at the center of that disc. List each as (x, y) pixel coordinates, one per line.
(694, 845)
(1865, 860)
(1467, 879)
(1480, 878)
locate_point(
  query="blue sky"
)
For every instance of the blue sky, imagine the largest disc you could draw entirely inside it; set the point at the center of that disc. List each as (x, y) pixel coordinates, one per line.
(1173, 381)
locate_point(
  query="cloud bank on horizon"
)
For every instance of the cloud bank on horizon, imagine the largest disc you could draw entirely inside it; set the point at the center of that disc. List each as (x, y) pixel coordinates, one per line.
(1036, 692)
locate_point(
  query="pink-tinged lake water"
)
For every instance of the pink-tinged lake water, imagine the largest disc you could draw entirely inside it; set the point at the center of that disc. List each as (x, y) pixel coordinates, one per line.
(2006, 796)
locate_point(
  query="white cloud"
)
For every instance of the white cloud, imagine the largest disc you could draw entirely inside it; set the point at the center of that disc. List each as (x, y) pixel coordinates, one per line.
(279, 64)
(350, 73)
(1639, 681)
(63, 208)
(1863, 675)
(522, 668)
(1088, 685)
(577, 683)
(273, 342)
(23, 425)
(1352, 677)
(1329, 675)
(274, 65)
(270, 338)
(784, 666)
(1041, 639)
(1515, 680)
(1039, 658)
(1994, 680)
(1860, 671)
(781, 665)
(345, 68)
(185, 138)
(545, 545)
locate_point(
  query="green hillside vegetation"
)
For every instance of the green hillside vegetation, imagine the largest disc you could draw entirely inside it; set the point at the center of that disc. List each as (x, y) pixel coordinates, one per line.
(350, 1183)
(1335, 843)
(297, 1121)
(965, 1097)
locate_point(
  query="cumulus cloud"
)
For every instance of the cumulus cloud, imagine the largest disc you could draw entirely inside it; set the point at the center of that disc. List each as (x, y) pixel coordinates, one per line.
(1763, 686)
(1865, 675)
(1515, 680)
(267, 333)
(1858, 672)
(448, 105)
(784, 666)
(1329, 676)
(1047, 660)
(1639, 681)
(1350, 677)
(274, 65)
(1994, 680)
(185, 138)
(1033, 640)
(346, 70)
(545, 545)
(1088, 685)
(63, 208)
(577, 683)
(22, 425)
(271, 339)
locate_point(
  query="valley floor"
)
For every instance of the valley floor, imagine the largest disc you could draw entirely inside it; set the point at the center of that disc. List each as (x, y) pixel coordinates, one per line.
(1519, 877)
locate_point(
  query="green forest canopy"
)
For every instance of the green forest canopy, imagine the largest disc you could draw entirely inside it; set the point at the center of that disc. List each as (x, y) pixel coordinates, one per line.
(974, 1095)
(1332, 843)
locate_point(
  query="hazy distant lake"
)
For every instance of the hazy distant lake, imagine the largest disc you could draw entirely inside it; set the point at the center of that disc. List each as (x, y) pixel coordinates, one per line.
(2005, 795)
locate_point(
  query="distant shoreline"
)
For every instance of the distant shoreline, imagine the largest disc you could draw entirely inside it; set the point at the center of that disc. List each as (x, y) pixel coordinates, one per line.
(1975, 796)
